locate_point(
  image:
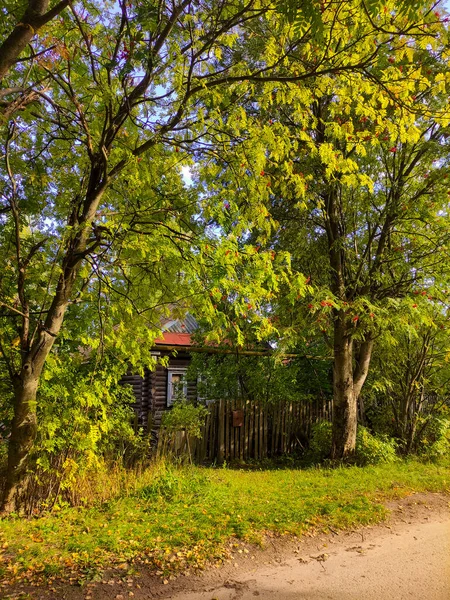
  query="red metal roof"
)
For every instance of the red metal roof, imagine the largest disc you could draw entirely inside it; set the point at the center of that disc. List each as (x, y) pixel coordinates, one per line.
(175, 339)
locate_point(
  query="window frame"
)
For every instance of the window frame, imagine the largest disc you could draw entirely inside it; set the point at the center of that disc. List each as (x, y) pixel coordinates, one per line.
(175, 371)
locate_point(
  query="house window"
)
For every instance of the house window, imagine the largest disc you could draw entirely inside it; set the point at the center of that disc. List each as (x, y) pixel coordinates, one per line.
(176, 385)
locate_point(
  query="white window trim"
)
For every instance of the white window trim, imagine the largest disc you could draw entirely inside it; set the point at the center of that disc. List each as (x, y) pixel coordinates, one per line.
(175, 371)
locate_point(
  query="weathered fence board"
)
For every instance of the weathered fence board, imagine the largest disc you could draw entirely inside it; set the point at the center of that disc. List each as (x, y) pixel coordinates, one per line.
(265, 431)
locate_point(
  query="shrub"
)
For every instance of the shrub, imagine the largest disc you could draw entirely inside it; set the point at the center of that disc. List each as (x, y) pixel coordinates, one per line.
(85, 430)
(374, 449)
(320, 441)
(185, 416)
(370, 449)
(435, 443)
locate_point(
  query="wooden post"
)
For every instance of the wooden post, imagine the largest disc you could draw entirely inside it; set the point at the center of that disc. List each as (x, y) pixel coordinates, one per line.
(288, 427)
(237, 434)
(260, 431)
(241, 437)
(278, 432)
(227, 430)
(271, 412)
(291, 427)
(246, 422)
(221, 440)
(250, 408)
(207, 441)
(265, 431)
(213, 437)
(256, 431)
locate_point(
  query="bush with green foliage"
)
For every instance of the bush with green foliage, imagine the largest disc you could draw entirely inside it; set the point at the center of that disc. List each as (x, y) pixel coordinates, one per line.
(263, 378)
(435, 442)
(85, 426)
(83, 411)
(370, 449)
(320, 441)
(185, 416)
(374, 449)
(407, 390)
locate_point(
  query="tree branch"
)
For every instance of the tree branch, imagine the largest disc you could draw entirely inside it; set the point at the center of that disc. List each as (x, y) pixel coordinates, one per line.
(34, 17)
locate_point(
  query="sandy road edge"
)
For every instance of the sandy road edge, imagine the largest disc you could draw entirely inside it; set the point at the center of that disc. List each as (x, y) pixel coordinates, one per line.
(412, 510)
(404, 512)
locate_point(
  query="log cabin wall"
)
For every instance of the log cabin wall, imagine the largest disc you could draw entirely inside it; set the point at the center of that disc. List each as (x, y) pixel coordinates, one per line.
(141, 390)
(151, 390)
(159, 379)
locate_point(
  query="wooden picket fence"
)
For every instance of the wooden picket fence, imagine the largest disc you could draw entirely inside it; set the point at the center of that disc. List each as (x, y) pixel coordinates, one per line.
(236, 430)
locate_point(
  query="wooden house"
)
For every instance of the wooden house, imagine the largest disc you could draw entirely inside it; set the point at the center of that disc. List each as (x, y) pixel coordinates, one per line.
(156, 390)
(234, 429)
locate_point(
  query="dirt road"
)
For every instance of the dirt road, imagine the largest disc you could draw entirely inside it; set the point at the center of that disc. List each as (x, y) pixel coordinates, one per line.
(408, 559)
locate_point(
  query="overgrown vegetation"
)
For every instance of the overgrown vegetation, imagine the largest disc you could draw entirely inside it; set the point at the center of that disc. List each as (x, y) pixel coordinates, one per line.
(268, 379)
(184, 417)
(180, 518)
(281, 171)
(86, 432)
(370, 449)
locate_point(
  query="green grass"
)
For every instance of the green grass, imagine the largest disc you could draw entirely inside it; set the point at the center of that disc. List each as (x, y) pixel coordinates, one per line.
(183, 517)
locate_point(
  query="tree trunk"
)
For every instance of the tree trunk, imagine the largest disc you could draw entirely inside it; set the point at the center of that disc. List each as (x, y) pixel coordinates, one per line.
(24, 425)
(26, 382)
(362, 366)
(23, 434)
(345, 401)
(360, 374)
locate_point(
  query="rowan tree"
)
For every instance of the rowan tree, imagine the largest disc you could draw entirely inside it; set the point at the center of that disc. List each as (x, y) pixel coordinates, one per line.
(339, 173)
(20, 26)
(122, 94)
(90, 178)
